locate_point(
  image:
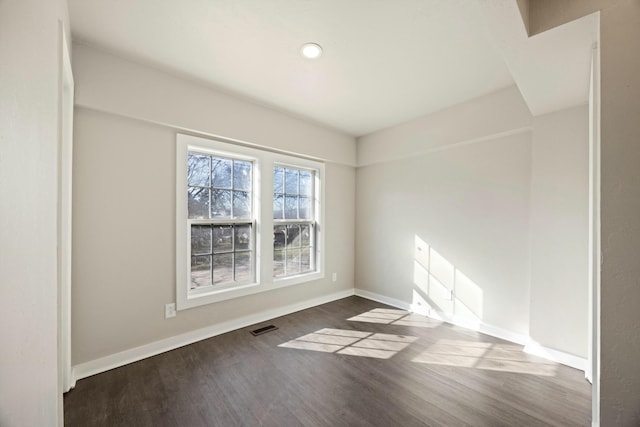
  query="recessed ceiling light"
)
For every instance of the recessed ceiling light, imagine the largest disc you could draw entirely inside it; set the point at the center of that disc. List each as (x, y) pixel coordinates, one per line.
(311, 50)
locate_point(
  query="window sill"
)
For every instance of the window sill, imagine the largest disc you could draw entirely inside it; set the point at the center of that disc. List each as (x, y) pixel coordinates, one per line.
(218, 295)
(296, 280)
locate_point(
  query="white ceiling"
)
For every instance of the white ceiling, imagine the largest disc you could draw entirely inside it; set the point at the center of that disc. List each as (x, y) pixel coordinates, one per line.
(385, 61)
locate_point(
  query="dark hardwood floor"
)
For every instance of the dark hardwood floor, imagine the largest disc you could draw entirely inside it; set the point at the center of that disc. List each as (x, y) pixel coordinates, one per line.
(383, 367)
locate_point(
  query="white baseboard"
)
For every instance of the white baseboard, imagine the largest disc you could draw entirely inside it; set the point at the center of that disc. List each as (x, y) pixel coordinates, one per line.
(112, 361)
(531, 347)
(382, 299)
(555, 355)
(122, 358)
(481, 327)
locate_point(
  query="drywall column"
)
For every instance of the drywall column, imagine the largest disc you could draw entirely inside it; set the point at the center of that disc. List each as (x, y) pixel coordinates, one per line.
(559, 230)
(453, 185)
(620, 196)
(29, 84)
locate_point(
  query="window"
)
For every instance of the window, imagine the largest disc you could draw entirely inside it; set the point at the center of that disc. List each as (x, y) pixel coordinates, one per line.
(247, 221)
(220, 220)
(293, 218)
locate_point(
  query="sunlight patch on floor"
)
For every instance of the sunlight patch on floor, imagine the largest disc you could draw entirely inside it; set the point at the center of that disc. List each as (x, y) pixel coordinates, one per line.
(352, 343)
(486, 356)
(395, 317)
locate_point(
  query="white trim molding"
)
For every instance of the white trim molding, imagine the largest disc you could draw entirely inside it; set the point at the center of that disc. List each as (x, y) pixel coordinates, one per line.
(103, 364)
(481, 327)
(92, 367)
(383, 299)
(64, 225)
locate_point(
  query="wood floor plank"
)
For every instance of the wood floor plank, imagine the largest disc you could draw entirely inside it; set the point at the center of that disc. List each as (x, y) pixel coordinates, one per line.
(382, 368)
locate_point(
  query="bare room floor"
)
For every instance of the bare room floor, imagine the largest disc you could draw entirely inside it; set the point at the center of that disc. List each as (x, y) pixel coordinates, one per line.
(352, 362)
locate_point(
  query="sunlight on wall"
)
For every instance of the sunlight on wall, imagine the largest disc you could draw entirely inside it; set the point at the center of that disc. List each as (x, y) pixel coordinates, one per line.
(440, 286)
(486, 356)
(352, 343)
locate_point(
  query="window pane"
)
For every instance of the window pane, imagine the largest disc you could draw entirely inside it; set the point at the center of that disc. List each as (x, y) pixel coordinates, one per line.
(293, 261)
(241, 204)
(290, 207)
(200, 239)
(243, 266)
(279, 236)
(305, 235)
(293, 236)
(278, 179)
(198, 171)
(241, 175)
(221, 204)
(200, 271)
(305, 183)
(220, 172)
(222, 268)
(198, 203)
(305, 208)
(278, 206)
(242, 237)
(278, 263)
(221, 188)
(305, 260)
(291, 181)
(222, 239)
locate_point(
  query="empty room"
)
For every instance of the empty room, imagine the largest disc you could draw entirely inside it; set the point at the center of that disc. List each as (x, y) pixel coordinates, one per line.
(319, 213)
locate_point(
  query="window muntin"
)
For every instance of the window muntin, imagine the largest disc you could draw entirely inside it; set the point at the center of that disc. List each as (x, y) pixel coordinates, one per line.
(220, 220)
(294, 221)
(292, 193)
(293, 249)
(219, 187)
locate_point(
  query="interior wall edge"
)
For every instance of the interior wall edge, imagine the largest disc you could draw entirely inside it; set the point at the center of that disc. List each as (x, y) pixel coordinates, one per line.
(194, 132)
(502, 111)
(448, 146)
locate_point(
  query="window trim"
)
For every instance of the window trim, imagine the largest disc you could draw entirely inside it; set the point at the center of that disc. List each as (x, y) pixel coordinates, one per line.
(263, 162)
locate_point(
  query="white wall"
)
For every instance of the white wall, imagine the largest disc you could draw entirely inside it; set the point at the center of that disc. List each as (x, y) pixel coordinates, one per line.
(124, 214)
(620, 216)
(466, 200)
(469, 203)
(559, 230)
(29, 37)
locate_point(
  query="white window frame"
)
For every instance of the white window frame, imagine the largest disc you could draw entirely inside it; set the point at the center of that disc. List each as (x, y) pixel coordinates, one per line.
(230, 222)
(263, 163)
(311, 222)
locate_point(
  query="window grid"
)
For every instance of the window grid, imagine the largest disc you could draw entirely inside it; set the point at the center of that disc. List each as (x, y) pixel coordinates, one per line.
(222, 230)
(211, 199)
(293, 185)
(294, 226)
(294, 249)
(211, 244)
